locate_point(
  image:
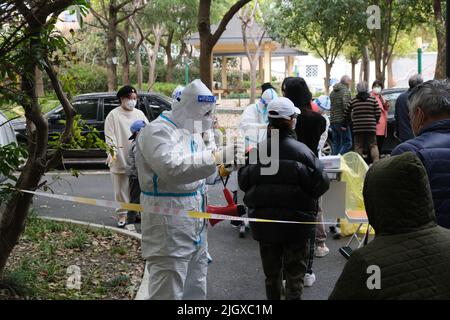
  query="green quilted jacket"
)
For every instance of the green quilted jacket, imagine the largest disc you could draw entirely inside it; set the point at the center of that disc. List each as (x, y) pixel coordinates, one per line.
(339, 98)
(411, 251)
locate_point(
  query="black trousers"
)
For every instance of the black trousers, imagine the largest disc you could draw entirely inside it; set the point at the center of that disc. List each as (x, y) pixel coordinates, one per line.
(135, 196)
(284, 259)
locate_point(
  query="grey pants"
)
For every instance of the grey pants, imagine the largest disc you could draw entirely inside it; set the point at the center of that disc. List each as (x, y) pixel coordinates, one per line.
(288, 260)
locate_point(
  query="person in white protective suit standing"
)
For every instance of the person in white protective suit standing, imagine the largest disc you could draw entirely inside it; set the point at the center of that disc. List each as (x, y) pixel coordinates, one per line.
(254, 119)
(173, 163)
(253, 127)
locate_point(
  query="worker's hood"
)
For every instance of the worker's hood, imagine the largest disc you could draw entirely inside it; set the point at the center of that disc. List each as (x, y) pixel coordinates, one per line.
(193, 109)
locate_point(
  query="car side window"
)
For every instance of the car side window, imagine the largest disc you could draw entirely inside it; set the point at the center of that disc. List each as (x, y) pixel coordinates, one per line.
(141, 105)
(87, 108)
(157, 106)
(109, 105)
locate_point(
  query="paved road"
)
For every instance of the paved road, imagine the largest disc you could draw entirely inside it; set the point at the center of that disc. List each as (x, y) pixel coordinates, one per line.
(236, 272)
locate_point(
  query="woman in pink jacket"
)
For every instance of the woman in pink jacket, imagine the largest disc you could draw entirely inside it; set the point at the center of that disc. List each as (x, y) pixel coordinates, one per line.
(384, 106)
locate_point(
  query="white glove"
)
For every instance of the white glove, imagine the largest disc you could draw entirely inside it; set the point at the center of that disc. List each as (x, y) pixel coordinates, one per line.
(232, 154)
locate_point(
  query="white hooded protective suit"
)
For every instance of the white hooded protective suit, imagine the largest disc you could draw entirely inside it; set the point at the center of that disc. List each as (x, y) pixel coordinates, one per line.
(254, 119)
(253, 127)
(173, 163)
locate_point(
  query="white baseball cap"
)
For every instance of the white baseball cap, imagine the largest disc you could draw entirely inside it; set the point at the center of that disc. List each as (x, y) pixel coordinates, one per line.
(282, 108)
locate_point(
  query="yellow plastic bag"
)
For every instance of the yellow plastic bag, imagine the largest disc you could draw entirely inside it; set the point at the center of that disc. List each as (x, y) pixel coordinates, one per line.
(347, 229)
(354, 170)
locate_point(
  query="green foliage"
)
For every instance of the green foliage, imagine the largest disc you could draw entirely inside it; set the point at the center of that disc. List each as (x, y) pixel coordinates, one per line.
(81, 78)
(84, 137)
(120, 280)
(78, 241)
(11, 157)
(164, 88)
(21, 280)
(323, 26)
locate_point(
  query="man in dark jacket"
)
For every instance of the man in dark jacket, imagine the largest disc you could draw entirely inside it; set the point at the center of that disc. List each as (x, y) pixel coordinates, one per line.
(291, 195)
(402, 120)
(409, 257)
(340, 98)
(430, 121)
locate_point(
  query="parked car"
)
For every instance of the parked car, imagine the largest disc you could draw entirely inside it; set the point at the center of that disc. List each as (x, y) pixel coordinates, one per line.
(7, 135)
(391, 96)
(93, 108)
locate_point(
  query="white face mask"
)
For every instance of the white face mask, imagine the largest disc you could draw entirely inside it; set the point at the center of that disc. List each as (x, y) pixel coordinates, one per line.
(377, 90)
(130, 104)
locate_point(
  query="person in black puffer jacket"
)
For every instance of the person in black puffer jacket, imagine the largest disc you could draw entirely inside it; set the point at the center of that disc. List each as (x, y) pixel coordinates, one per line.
(291, 194)
(309, 129)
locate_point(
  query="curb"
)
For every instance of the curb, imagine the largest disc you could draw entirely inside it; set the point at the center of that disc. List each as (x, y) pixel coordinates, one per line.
(141, 294)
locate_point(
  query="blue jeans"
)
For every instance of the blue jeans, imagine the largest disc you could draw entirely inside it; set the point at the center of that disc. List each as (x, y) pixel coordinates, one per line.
(342, 140)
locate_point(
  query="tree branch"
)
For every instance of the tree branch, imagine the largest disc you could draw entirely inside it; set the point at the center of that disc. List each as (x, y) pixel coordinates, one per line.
(67, 106)
(100, 19)
(122, 19)
(226, 18)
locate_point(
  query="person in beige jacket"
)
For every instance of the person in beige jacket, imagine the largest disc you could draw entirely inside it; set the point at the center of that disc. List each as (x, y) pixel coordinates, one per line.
(117, 133)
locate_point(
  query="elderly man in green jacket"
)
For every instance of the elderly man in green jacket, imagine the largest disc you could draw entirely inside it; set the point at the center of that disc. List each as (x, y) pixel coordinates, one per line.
(409, 257)
(341, 134)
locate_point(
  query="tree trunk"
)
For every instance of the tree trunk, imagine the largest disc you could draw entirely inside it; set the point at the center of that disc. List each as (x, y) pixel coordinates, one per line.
(126, 55)
(391, 81)
(170, 66)
(441, 41)
(353, 61)
(253, 75)
(153, 57)
(138, 39)
(170, 63)
(379, 70)
(139, 69)
(366, 64)
(328, 67)
(208, 40)
(13, 214)
(205, 64)
(39, 83)
(111, 57)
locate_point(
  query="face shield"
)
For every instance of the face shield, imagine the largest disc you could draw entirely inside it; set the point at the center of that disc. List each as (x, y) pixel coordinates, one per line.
(194, 109)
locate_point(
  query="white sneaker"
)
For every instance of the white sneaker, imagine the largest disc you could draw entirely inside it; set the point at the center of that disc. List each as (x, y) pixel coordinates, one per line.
(321, 251)
(309, 279)
(208, 256)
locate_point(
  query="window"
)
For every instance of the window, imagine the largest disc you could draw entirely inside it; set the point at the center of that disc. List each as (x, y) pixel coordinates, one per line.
(87, 109)
(109, 105)
(157, 106)
(312, 71)
(141, 105)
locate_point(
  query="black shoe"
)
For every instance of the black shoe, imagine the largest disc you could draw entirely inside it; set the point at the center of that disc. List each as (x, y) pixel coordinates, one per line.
(346, 252)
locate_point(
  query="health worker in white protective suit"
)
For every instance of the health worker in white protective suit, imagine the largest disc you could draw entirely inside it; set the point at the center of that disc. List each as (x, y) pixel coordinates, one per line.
(173, 163)
(253, 128)
(254, 119)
